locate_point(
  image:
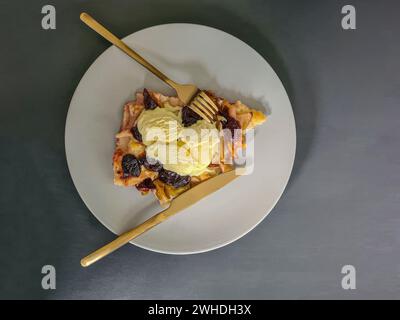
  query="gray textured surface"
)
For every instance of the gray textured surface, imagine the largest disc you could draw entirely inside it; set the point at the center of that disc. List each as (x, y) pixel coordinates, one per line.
(341, 205)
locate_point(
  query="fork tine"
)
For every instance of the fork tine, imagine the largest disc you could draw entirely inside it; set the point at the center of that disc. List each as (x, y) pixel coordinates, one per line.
(206, 106)
(210, 102)
(199, 111)
(198, 105)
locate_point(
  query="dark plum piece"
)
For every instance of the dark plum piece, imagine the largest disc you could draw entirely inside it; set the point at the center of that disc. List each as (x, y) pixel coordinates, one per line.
(173, 179)
(148, 101)
(136, 134)
(189, 117)
(145, 185)
(230, 123)
(152, 165)
(130, 166)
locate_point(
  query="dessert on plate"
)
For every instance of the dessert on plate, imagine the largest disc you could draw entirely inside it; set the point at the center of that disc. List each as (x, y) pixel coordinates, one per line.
(166, 148)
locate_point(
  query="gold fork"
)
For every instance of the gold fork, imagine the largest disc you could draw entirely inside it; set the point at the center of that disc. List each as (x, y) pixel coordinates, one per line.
(196, 99)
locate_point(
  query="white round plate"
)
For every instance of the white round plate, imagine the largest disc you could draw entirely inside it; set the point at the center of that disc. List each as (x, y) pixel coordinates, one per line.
(188, 53)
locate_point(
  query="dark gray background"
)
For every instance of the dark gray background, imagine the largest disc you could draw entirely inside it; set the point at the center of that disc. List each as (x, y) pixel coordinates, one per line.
(342, 202)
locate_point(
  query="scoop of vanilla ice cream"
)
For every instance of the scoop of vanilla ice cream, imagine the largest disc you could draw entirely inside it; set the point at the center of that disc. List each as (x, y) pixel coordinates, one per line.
(186, 151)
(160, 124)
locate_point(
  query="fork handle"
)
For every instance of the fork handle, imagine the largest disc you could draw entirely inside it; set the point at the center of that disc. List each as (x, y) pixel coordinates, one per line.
(92, 23)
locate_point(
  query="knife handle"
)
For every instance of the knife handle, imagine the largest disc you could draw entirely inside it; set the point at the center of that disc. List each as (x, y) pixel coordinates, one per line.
(126, 237)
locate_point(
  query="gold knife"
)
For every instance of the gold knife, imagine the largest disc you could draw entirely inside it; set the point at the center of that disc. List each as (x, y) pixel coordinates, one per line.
(178, 204)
